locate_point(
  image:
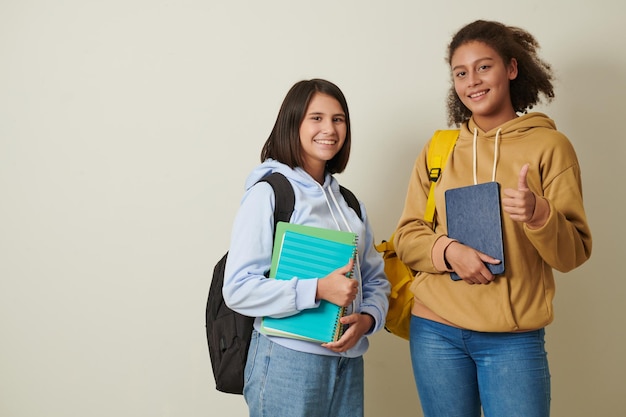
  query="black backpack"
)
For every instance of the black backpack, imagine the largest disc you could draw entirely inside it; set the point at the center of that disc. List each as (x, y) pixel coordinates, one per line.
(228, 332)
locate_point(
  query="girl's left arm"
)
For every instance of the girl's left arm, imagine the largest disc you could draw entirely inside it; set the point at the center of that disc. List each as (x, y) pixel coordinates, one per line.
(375, 286)
(564, 240)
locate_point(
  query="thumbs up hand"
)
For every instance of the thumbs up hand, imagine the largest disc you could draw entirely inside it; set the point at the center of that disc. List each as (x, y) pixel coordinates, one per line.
(520, 204)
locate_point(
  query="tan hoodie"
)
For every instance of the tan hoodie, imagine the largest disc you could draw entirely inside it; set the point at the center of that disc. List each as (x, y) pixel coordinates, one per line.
(521, 298)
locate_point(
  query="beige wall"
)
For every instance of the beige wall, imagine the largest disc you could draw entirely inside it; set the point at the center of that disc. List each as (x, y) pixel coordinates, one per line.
(127, 129)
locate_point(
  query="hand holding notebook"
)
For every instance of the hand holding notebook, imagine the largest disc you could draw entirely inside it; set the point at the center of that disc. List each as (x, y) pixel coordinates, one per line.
(336, 289)
(474, 219)
(310, 252)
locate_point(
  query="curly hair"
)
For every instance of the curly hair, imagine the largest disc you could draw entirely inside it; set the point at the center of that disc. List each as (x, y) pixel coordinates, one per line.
(283, 143)
(534, 75)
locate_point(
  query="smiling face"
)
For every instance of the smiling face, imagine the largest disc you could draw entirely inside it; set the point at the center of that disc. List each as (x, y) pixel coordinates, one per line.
(322, 134)
(482, 81)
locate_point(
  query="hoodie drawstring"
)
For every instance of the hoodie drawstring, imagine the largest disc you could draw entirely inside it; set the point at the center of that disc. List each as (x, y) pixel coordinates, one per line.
(357, 263)
(495, 156)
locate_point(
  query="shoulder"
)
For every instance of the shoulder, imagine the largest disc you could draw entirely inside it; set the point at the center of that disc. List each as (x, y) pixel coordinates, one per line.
(555, 145)
(259, 194)
(348, 195)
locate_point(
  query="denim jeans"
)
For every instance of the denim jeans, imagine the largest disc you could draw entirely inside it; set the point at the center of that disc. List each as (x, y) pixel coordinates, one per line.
(281, 382)
(457, 371)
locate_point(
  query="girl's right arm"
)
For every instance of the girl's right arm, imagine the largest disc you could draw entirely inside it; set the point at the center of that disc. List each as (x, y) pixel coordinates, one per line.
(417, 245)
(246, 288)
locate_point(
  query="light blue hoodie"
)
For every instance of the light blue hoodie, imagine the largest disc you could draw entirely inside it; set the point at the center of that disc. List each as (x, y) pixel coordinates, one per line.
(248, 291)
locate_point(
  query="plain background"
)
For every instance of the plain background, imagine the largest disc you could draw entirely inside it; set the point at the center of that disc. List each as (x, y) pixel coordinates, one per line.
(128, 127)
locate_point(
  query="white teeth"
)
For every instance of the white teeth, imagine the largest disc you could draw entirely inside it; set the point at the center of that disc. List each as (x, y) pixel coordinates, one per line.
(482, 93)
(326, 141)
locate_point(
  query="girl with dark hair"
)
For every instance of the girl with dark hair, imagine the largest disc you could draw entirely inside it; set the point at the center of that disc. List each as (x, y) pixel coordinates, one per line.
(478, 342)
(287, 377)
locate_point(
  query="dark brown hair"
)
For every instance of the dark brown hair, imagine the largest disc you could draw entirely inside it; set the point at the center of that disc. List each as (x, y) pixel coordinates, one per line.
(283, 144)
(534, 75)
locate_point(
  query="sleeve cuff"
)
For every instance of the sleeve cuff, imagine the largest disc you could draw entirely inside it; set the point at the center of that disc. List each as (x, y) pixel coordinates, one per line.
(305, 294)
(438, 252)
(541, 214)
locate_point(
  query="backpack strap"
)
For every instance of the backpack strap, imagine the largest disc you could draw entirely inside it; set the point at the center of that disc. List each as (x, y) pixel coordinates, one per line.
(439, 149)
(285, 198)
(351, 199)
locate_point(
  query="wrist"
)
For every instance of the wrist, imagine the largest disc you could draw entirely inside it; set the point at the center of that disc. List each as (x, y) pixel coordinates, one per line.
(540, 214)
(372, 321)
(437, 253)
(445, 257)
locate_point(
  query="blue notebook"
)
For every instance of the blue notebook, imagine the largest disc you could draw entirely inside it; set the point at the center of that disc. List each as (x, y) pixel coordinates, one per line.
(309, 252)
(474, 219)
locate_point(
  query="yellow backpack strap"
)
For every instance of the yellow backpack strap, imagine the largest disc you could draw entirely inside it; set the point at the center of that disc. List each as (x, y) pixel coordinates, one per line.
(440, 147)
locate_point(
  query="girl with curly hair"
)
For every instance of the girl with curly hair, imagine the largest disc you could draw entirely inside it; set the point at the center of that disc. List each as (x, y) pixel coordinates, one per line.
(478, 342)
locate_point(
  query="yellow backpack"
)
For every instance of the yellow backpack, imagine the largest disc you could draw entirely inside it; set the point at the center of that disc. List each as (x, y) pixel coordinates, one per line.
(401, 276)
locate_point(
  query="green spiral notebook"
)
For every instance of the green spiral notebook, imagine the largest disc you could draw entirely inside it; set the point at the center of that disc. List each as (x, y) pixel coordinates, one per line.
(309, 252)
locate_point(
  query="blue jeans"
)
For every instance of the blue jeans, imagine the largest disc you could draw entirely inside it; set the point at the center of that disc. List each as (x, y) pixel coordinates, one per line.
(457, 371)
(281, 382)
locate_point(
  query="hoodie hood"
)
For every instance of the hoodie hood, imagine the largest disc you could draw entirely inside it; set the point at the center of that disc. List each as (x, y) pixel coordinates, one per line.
(297, 175)
(517, 127)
